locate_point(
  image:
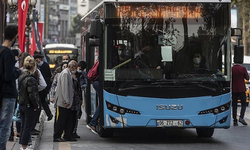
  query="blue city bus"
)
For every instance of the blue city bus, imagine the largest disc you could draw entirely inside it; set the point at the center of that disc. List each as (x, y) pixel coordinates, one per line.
(161, 64)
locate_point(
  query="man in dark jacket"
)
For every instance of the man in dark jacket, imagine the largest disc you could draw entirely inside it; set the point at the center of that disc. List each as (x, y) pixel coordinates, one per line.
(45, 70)
(239, 75)
(8, 75)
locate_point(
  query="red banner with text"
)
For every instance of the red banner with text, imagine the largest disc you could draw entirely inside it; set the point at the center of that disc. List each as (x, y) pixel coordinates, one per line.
(23, 6)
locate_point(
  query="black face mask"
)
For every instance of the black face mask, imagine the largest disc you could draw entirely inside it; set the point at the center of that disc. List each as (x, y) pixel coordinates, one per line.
(13, 43)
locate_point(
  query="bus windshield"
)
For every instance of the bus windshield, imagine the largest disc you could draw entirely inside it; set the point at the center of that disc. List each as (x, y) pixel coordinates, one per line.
(179, 41)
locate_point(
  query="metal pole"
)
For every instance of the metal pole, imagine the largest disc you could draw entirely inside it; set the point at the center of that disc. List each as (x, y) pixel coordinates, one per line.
(27, 40)
(2, 19)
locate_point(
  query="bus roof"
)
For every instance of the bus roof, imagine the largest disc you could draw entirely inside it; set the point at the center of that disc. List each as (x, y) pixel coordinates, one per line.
(211, 1)
(49, 46)
(157, 1)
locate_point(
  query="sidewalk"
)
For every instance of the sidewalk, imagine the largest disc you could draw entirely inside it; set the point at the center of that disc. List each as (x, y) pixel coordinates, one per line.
(35, 138)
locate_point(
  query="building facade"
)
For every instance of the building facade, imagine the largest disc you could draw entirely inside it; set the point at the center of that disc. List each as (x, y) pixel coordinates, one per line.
(57, 16)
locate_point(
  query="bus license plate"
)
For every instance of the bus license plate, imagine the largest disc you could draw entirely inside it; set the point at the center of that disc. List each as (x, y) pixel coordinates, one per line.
(169, 123)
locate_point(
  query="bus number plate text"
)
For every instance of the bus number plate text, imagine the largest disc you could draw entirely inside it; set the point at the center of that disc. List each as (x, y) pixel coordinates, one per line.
(169, 123)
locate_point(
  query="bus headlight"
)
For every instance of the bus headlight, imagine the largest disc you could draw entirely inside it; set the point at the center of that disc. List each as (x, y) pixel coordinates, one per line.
(216, 110)
(121, 110)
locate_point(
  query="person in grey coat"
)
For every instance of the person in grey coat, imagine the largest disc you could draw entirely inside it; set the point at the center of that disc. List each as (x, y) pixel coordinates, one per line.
(63, 100)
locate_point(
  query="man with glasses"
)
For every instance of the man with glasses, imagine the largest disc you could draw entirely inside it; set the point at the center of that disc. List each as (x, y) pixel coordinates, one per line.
(63, 100)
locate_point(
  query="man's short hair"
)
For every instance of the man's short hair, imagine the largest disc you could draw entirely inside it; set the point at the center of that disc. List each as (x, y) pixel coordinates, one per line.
(16, 52)
(37, 52)
(38, 56)
(82, 64)
(67, 55)
(10, 32)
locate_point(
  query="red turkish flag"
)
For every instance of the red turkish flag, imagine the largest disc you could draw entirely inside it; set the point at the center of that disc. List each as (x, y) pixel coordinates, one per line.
(33, 47)
(23, 6)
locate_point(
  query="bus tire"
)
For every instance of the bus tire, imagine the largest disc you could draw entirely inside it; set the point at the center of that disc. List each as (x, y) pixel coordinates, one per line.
(107, 133)
(205, 132)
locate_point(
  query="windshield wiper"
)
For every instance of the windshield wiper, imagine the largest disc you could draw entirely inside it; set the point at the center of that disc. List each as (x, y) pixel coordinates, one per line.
(137, 87)
(206, 87)
(147, 86)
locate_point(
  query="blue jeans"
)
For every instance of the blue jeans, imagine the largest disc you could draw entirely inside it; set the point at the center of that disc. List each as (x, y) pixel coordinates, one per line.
(96, 87)
(93, 121)
(6, 114)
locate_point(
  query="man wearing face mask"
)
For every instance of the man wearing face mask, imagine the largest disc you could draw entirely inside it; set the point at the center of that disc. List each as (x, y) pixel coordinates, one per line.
(8, 75)
(58, 69)
(45, 70)
(199, 61)
(141, 57)
(63, 100)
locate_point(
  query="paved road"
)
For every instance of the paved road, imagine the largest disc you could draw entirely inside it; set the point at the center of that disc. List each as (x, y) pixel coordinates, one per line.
(235, 138)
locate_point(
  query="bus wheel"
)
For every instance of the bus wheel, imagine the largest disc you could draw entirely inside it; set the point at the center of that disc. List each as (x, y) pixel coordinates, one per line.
(205, 132)
(104, 132)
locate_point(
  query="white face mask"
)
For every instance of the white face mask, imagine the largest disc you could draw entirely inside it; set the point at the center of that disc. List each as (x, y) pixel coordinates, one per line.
(197, 60)
(17, 64)
(79, 71)
(65, 61)
(119, 52)
(40, 63)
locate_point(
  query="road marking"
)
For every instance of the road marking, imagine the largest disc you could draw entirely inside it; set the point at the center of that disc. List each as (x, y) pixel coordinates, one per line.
(64, 146)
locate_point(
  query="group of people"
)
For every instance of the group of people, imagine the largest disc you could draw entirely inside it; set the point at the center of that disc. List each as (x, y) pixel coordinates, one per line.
(26, 81)
(68, 99)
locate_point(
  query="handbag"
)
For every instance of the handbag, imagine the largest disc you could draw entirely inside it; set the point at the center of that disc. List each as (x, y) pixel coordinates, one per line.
(93, 72)
(17, 115)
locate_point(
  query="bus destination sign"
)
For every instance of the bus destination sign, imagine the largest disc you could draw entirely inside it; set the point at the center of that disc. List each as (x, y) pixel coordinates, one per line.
(60, 51)
(159, 11)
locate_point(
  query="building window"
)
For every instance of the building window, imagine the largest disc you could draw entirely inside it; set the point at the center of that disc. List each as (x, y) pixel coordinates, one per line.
(64, 1)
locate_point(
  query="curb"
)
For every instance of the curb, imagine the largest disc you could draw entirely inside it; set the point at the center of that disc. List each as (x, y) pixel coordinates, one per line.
(40, 128)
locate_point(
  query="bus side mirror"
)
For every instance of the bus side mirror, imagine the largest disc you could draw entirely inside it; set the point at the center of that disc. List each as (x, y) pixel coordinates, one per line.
(238, 49)
(238, 54)
(236, 32)
(95, 29)
(95, 32)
